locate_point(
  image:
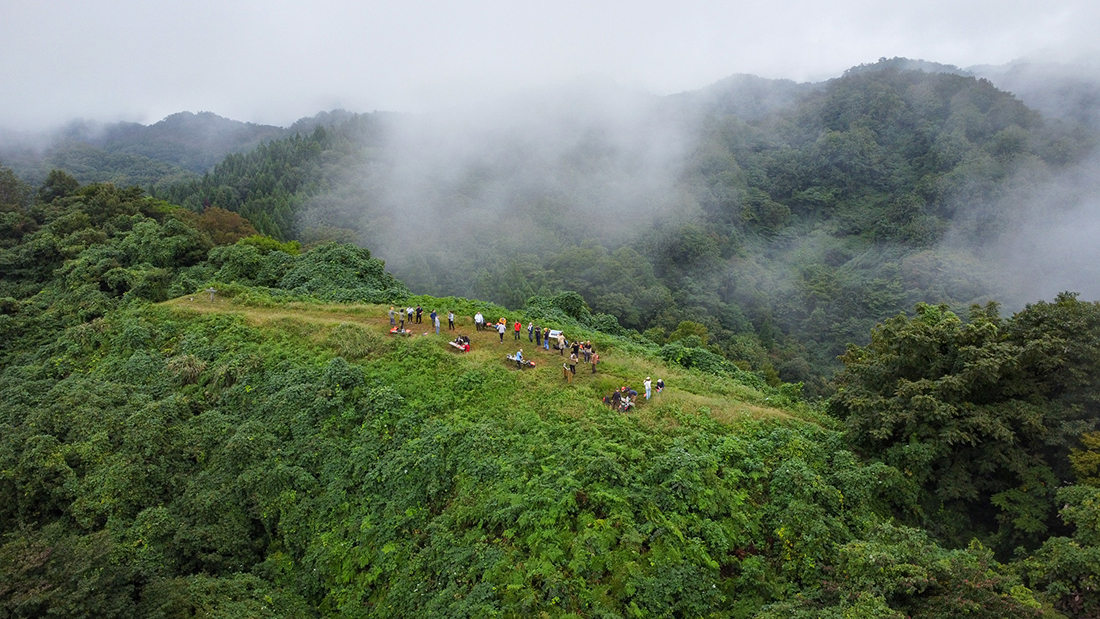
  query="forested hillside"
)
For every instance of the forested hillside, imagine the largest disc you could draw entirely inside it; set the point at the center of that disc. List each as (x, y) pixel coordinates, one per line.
(784, 219)
(274, 452)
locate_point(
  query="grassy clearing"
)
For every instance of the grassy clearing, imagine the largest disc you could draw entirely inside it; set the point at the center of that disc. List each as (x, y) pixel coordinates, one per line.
(361, 332)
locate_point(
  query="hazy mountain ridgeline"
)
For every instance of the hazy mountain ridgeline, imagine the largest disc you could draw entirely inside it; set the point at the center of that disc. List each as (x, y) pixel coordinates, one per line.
(179, 147)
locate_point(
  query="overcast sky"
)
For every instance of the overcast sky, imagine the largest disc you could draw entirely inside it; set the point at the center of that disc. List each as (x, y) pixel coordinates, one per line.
(274, 61)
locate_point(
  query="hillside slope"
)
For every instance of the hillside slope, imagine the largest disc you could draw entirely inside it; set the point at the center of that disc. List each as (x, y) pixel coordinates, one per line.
(275, 453)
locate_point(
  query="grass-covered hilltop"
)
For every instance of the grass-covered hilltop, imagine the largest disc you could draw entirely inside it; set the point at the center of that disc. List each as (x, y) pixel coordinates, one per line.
(200, 420)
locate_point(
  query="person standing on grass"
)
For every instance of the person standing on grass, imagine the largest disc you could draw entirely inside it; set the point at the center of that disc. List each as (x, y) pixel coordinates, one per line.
(401, 317)
(530, 332)
(433, 316)
(648, 387)
(595, 360)
(500, 331)
(573, 364)
(419, 313)
(546, 340)
(450, 320)
(435, 319)
(561, 344)
(538, 336)
(517, 328)
(393, 321)
(409, 311)
(479, 321)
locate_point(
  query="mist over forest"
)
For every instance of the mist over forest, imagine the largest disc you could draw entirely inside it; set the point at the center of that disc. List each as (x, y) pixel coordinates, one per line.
(869, 302)
(786, 219)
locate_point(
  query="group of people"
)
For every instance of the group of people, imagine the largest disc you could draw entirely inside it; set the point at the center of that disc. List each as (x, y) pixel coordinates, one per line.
(624, 398)
(539, 335)
(578, 351)
(398, 316)
(621, 399)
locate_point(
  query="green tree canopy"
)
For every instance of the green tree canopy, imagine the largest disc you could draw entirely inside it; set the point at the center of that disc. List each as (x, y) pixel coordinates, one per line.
(980, 415)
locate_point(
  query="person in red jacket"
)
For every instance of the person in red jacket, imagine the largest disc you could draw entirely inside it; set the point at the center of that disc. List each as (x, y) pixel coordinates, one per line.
(517, 328)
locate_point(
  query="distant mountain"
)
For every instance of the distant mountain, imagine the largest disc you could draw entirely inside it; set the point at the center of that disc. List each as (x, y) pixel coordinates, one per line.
(192, 141)
(180, 147)
(898, 63)
(748, 97)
